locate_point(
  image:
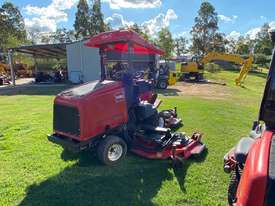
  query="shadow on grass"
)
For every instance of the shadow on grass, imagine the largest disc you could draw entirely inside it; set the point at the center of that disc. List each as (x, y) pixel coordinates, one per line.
(43, 90)
(168, 92)
(135, 181)
(258, 74)
(180, 172)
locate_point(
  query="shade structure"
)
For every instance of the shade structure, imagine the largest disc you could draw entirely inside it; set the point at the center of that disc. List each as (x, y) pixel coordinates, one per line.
(120, 40)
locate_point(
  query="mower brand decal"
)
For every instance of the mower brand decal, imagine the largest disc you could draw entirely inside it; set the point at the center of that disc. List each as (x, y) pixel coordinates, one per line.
(119, 97)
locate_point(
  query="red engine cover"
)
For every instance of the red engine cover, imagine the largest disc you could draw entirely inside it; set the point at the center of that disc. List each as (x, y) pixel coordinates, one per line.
(100, 105)
(253, 184)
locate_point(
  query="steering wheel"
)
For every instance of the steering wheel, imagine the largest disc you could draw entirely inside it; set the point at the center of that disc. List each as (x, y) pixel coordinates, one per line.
(139, 75)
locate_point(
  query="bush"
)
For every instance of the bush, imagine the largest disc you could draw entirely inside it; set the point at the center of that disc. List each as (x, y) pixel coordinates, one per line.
(213, 68)
(262, 60)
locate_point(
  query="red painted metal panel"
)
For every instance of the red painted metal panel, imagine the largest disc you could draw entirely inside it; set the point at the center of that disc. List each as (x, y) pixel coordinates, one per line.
(118, 41)
(102, 108)
(252, 187)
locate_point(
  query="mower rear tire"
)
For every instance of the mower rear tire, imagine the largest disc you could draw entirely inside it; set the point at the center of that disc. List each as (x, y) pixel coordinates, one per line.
(233, 187)
(111, 150)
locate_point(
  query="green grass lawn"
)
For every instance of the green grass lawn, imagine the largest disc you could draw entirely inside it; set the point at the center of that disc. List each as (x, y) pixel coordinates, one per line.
(34, 171)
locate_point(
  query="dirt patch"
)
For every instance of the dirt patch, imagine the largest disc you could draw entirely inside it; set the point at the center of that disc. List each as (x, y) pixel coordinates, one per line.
(203, 90)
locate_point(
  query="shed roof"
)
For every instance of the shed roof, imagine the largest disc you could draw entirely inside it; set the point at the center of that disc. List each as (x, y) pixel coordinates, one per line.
(57, 51)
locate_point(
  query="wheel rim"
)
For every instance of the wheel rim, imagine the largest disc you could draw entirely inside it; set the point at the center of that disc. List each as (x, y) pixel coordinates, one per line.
(115, 152)
(162, 85)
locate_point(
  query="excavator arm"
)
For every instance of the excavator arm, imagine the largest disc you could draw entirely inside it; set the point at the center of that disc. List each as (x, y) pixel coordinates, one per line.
(234, 58)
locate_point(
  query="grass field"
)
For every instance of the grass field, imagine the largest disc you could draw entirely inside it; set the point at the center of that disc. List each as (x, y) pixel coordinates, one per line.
(34, 171)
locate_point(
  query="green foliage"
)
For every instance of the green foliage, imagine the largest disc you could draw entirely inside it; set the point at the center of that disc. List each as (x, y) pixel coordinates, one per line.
(263, 43)
(12, 27)
(212, 68)
(165, 41)
(62, 36)
(243, 46)
(205, 29)
(135, 27)
(81, 24)
(97, 24)
(262, 59)
(219, 43)
(180, 45)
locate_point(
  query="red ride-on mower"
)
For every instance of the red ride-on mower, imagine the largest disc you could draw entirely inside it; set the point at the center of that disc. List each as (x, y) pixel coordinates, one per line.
(252, 161)
(112, 116)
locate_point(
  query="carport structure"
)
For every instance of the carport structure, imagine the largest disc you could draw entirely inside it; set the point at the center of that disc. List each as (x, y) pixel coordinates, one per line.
(46, 51)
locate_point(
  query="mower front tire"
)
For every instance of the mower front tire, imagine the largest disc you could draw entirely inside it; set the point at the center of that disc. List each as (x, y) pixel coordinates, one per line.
(233, 187)
(111, 150)
(162, 84)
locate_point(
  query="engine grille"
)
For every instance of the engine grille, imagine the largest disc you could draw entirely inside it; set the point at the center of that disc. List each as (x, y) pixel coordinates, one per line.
(66, 119)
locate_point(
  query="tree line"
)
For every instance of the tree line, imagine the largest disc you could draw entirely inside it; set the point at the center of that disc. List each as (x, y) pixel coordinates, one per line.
(89, 20)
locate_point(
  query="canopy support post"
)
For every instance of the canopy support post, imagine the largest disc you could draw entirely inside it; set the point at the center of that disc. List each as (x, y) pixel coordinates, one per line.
(35, 66)
(10, 57)
(102, 66)
(130, 57)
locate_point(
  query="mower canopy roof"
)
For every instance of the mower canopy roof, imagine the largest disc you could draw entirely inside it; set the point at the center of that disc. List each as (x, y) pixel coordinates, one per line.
(119, 41)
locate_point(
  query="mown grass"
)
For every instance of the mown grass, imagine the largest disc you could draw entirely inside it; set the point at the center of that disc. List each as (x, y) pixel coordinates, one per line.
(34, 171)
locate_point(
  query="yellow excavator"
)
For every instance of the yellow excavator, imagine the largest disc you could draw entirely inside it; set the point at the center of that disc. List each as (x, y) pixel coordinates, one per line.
(195, 68)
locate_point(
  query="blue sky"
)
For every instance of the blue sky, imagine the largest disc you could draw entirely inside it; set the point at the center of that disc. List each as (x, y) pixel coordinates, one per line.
(235, 16)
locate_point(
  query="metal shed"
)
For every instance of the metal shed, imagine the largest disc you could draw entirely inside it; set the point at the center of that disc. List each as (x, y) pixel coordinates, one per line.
(83, 62)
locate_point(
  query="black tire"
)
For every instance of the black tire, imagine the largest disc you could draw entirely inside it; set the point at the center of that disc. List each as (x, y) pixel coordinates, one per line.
(233, 187)
(162, 84)
(105, 147)
(201, 77)
(197, 77)
(187, 77)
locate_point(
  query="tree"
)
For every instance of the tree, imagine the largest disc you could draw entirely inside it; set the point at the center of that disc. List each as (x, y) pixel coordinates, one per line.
(62, 36)
(219, 42)
(243, 46)
(34, 35)
(12, 27)
(135, 27)
(81, 24)
(180, 46)
(205, 29)
(165, 41)
(97, 24)
(263, 43)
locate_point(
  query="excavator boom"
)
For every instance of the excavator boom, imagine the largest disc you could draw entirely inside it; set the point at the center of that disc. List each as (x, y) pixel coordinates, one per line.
(234, 58)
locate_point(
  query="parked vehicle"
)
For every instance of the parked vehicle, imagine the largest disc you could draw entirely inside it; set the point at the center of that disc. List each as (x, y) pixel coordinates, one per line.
(115, 116)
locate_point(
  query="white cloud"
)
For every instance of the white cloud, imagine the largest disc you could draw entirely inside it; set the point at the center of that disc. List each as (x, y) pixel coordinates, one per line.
(263, 18)
(160, 21)
(151, 26)
(47, 18)
(227, 19)
(234, 35)
(252, 33)
(272, 25)
(117, 21)
(135, 4)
